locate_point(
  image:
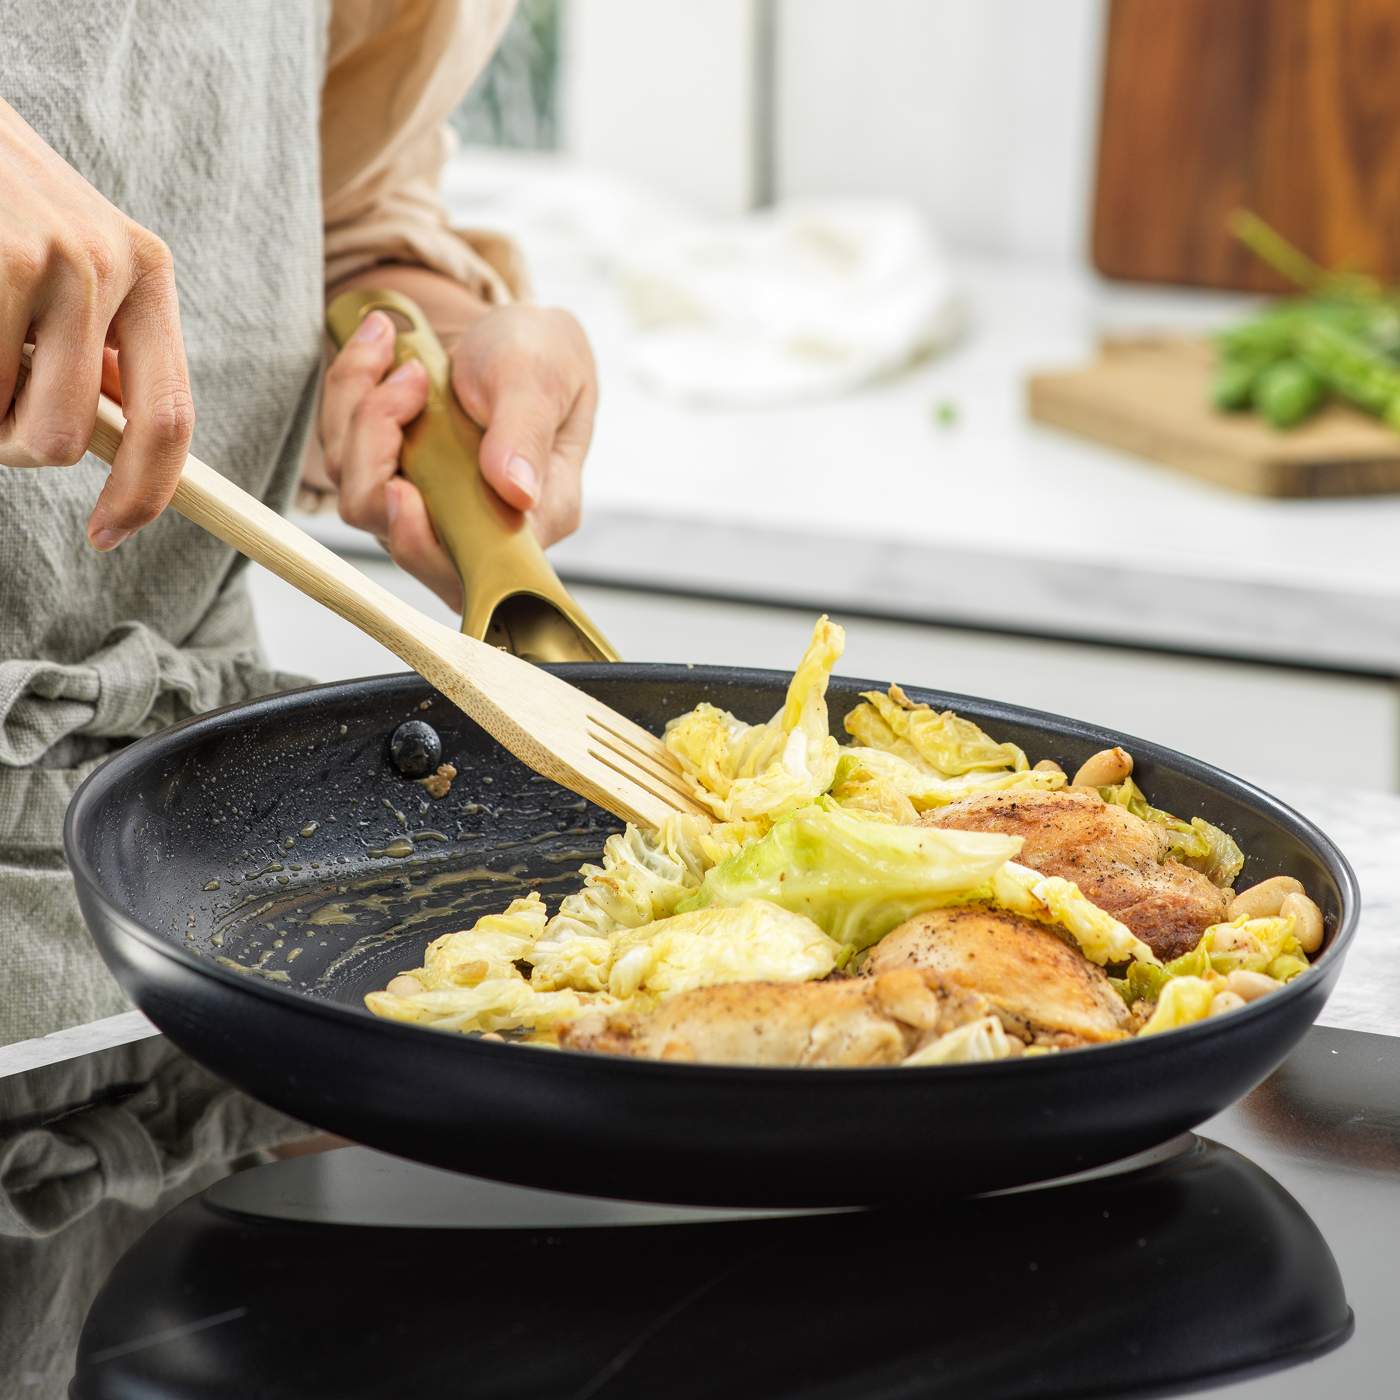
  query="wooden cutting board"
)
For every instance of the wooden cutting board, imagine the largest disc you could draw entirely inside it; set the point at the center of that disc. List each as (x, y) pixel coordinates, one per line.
(1151, 397)
(1290, 108)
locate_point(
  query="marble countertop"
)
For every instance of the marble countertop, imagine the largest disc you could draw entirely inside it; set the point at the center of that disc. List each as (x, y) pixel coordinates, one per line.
(1366, 826)
(865, 503)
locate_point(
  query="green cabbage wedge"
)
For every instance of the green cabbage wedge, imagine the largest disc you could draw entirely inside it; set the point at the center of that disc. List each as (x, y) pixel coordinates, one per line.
(854, 877)
(745, 772)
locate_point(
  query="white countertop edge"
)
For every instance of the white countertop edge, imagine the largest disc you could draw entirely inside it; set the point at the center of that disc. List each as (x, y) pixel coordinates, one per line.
(964, 585)
(74, 1043)
(1310, 623)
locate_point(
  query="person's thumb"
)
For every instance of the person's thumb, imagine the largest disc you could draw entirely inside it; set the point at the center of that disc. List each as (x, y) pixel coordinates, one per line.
(515, 451)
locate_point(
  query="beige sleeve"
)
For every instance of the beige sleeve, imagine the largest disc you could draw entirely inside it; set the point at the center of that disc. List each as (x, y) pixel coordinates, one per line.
(395, 70)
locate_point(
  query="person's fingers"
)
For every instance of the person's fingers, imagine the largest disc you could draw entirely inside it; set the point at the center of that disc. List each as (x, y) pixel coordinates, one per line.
(360, 364)
(576, 431)
(373, 496)
(526, 374)
(561, 508)
(77, 275)
(516, 447)
(370, 454)
(54, 415)
(561, 505)
(16, 313)
(62, 292)
(157, 401)
(413, 544)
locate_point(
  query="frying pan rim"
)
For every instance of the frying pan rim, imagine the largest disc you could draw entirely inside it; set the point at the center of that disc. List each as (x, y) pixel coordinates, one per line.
(146, 750)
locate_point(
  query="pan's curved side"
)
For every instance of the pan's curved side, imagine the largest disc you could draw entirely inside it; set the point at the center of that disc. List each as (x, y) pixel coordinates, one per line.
(697, 1135)
(640, 1130)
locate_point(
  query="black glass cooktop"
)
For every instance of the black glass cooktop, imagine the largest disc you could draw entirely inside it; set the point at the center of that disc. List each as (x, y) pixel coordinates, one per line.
(1252, 1258)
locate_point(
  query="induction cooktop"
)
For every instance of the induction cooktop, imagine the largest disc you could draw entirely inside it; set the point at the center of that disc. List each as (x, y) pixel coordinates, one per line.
(356, 1275)
(1229, 1260)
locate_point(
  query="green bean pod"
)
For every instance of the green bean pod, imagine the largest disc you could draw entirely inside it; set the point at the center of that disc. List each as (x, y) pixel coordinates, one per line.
(1352, 368)
(1287, 391)
(1233, 386)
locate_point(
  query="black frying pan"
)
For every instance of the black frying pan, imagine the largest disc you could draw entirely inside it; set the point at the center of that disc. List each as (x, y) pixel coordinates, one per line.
(196, 858)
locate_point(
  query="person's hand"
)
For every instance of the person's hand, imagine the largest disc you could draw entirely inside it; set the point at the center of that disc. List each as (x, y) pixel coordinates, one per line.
(524, 373)
(76, 275)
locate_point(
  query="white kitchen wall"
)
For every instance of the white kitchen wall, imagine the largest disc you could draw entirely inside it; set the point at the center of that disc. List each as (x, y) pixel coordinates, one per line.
(666, 92)
(983, 112)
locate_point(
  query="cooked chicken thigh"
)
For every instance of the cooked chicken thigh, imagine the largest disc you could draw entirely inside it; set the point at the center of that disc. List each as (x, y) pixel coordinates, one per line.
(1042, 989)
(1118, 860)
(849, 1021)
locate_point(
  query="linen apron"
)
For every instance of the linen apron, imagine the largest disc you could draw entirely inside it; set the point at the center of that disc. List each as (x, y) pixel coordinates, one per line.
(200, 122)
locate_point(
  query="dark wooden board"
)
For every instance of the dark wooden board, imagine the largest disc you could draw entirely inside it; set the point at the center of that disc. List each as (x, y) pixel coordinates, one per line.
(1287, 107)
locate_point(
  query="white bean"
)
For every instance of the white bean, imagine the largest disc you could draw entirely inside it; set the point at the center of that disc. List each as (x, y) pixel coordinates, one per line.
(404, 985)
(1103, 769)
(1264, 900)
(1307, 921)
(1234, 940)
(1047, 765)
(1225, 1001)
(1250, 985)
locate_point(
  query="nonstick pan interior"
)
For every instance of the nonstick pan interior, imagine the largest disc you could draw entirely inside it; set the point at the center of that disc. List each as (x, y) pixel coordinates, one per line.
(251, 874)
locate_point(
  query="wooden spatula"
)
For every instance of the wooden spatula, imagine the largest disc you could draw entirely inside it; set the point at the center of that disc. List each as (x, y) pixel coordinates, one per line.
(547, 724)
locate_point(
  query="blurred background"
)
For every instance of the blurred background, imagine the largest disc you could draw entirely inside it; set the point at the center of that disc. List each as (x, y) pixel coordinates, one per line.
(910, 313)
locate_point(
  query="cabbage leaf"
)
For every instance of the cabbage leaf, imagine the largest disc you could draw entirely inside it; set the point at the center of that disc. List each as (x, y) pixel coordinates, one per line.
(979, 1040)
(644, 875)
(1183, 1000)
(1101, 938)
(1144, 982)
(754, 941)
(874, 781)
(497, 1004)
(471, 981)
(490, 948)
(1196, 843)
(855, 877)
(939, 742)
(1268, 945)
(578, 961)
(744, 772)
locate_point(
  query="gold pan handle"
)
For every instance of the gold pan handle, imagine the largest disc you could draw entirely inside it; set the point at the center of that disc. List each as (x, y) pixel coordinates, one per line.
(512, 597)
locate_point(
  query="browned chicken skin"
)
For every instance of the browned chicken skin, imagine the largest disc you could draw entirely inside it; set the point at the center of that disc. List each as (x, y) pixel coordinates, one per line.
(846, 1021)
(1041, 989)
(1118, 860)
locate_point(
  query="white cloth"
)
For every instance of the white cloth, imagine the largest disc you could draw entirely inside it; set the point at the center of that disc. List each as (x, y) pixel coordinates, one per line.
(801, 300)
